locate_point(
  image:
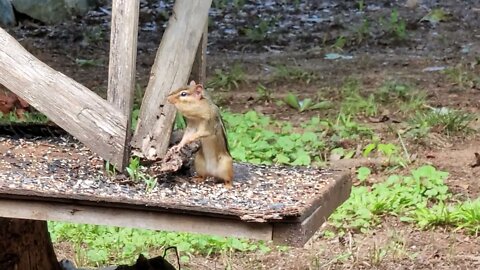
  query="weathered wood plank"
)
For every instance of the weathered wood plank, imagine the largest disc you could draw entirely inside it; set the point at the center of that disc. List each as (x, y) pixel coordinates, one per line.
(133, 218)
(82, 113)
(199, 69)
(123, 55)
(172, 67)
(297, 234)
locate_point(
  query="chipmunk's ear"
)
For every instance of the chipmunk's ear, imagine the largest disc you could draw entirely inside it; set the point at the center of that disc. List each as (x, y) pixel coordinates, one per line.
(192, 83)
(199, 91)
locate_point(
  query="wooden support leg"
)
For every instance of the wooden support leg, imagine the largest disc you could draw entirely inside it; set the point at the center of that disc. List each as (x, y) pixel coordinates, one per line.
(123, 55)
(26, 245)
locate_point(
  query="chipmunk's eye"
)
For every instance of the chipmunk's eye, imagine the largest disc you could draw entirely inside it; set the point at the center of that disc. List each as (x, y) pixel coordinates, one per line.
(183, 94)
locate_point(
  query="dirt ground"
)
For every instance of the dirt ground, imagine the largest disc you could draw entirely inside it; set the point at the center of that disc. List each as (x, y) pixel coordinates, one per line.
(377, 56)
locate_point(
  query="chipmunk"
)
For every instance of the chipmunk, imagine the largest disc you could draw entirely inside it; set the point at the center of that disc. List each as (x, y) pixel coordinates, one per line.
(205, 123)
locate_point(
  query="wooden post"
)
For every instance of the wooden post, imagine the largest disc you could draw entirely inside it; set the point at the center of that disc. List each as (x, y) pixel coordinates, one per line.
(72, 106)
(171, 70)
(26, 245)
(199, 69)
(123, 55)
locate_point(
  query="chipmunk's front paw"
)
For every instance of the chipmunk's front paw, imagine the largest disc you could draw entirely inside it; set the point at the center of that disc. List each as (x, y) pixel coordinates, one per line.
(176, 148)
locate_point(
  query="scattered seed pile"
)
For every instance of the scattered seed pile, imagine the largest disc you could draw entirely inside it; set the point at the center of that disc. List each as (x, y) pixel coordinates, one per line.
(63, 168)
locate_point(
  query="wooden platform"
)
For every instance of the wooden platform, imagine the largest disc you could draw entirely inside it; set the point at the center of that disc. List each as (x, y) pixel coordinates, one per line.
(61, 180)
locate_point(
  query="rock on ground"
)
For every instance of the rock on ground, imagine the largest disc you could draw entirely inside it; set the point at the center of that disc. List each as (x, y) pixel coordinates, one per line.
(7, 17)
(52, 11)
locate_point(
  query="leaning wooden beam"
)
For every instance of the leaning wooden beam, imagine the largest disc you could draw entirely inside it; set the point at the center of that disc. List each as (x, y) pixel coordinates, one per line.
(171, 70)
(123, 55)
(82, 113)
(199, 69)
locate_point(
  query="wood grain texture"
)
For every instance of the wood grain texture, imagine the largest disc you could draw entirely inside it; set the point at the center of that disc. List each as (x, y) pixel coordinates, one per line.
(133, 218)
(199, 69)
(297, 234)
(123, 55)
(172, 67)
(72, 106)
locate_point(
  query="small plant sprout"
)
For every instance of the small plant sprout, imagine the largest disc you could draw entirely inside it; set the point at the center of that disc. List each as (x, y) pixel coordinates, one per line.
(258, 32)
(133, 169)
(264, 93)
(288, 73)
(110, 169)
(305, 104)
(443, 120)
(363, 173)
(227, 81)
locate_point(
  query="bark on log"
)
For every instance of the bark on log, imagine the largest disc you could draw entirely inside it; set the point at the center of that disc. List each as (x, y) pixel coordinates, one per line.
(171, 70)
(26, 245)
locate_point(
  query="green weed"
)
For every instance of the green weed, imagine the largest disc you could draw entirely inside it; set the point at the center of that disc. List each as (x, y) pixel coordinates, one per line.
(258, 32)
(394, 95)
(361, 5)
(288, 73)
(259, 139)
(354, 103)
(461, 76)
(306, 104)
(362, 31)
(397, 26)
(29, 117)
(227, 80)
(346, 128)
(388, 150)
(421, 198)
(436, 15)
(443, 120)
(339, 44)
(100, 245)
(137, 173)
(264, 93)
(397, 196)
(89, 62)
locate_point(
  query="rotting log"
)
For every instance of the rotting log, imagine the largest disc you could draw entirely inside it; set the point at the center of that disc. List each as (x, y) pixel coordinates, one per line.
(26, 245)
(199, 69)
(82, 113)
(123, 55)
(172, 67)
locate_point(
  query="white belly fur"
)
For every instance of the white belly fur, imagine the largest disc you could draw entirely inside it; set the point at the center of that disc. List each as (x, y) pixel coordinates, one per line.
(208, 149)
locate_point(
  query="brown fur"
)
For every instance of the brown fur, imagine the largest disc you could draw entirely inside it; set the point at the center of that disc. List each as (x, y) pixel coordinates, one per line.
(204, 122)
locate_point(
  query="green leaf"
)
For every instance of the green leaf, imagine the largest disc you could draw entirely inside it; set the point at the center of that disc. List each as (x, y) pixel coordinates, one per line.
(309, 137)
(281, 158)
(363, 173)
(286, 143)
(368, 149)
(302, 159)
(436, 15)
(292, 101)
(305, 104)
(322, 105)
